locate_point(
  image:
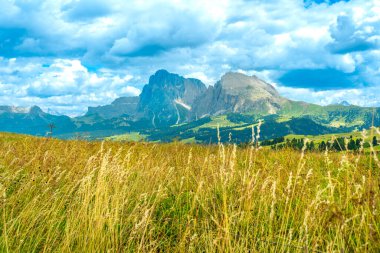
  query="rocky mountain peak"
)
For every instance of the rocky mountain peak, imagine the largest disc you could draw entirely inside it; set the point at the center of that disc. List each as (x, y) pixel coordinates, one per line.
(252, 87)
(168, 98)
(344, 103)
(163, 78)
(236, 92)
(35, 110)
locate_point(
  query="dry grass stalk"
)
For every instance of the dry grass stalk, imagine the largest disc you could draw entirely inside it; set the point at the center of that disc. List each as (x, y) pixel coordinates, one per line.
(75, 196)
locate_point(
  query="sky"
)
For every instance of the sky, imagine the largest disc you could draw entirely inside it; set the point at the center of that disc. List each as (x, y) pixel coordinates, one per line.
(65, 55)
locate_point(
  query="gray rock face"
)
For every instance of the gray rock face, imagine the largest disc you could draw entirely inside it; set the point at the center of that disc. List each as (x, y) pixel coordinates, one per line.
(35, 110)
(239, 93)
(119, 107)
(169, 98)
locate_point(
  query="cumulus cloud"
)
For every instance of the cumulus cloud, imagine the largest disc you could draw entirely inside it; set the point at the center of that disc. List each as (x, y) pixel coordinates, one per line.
(60, 85)
(85, 10)
(362, 97)
(309, 3)
(74, 53)
(172, 28)
(348, 37)
(321, 79)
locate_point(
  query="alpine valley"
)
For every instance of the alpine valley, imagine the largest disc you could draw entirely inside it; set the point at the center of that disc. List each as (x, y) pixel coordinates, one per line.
(171, 107)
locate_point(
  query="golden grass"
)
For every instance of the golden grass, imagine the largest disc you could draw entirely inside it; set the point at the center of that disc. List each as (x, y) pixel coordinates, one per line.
(77, 196)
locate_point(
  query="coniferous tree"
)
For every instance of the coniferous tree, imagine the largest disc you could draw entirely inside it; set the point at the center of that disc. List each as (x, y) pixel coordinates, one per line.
(322, 146)
(312, 146)
(358, 143)
(352, 145)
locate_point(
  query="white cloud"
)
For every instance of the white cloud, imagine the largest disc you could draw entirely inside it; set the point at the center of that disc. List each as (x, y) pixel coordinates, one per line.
(122, 42)
(201, 76)
(61, 86)
(367, 97)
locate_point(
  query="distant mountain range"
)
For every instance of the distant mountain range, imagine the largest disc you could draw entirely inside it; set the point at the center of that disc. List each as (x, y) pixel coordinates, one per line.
(173, 107)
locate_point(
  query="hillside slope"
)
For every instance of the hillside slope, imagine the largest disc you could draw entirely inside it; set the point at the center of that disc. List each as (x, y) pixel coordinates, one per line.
(33, 121)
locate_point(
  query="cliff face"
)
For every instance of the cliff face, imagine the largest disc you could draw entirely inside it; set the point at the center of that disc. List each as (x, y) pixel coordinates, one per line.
(237, 92)
(169, 98)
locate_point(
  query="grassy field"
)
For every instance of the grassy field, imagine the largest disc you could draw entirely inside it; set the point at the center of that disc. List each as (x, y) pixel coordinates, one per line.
(78, 196)
(220, 121)
(133, 136)
(327, 137)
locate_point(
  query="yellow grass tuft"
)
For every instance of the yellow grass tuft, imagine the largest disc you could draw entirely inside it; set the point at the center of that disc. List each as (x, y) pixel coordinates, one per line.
(78, 196)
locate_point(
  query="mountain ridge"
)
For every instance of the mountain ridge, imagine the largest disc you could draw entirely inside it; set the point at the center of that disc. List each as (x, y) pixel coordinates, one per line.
(172, 106)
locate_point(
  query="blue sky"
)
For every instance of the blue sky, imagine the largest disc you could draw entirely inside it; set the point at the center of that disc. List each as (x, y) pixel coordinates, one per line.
(66, 55)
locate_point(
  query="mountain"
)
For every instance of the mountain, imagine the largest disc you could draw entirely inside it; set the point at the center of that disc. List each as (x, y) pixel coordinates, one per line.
(169, 98)
(172, 107)
(119, 107)
(32, 121)
(238, 93)
(53, 112)
(13, 109)
(344, 103)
